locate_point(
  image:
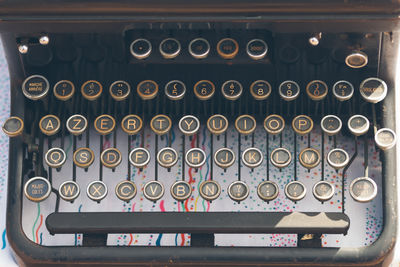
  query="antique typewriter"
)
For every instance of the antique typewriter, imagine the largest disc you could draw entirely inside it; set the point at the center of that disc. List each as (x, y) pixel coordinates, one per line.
(201, 132)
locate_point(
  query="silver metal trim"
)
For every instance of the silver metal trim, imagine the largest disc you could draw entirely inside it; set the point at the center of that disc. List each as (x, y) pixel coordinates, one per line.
(207, 197)
(125, 198)
(172, 163)
(73, 131)
(188, 133)
(150, 197)
(300, 197)
(236, 198)
(100, 197)
(120, 98)
(62, 161)
(271, 197)
(252, 165)
(374, 99)
(73, 197)
(356, 54)
(361, 199)
(361, 131)
(333, 164)
(198, 165)
(172, 97)
(330, 132)
(199, 56)
(227, 165)
(280, 165)
(184, 197)
(41, 198)
(229, 97)
(36, 97)
(145, 55)
(325, 198)
(343, 98)
(169, 55)
(257, 57)
(385, 146)
(144, 164)
(289, 98)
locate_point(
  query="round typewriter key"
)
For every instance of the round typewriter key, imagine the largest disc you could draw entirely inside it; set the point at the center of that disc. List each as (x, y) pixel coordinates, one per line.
(224, 157)
(55, 157)
(160, 124)
(331, 124)
(13, 126)
(64, 90)
(35, 87)
(69, 190)
(76, 124)
(358, 125)
(302, 124)
(139, 157)
(317, 90)
(257, 49)
(232, 90)
(252, 157)
(120, 90)
(309, 158)
(175, 90)
(111, 157)
(83, 157)
(373, 90)
(274, 124)
(199, 48)
(280, 157)
(131, 124)
(147, 89)
(189, 125)
(204, 89)
(97, 190)
(153, 190)
(91, 90)
(140, 48)
(323, 191)
(363, 189)
(238, 191)
(195, 157)
(338, 158)
(181, 190)
(385, 138)
(356, 60)
(217, 124)
(126, 190)
(267, 190)
(295, 191)
(260, 89)
(245, 124)
(170, 48)
(210, 190)
(289, 90)
(49, 125)
(167, 157)
(37, 189)
(343, 90)
(227, 48)
(104, 124)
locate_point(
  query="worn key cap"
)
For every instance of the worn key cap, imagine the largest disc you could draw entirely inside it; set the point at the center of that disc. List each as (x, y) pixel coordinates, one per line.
(295, 191)
(76, 124)
(37, 189)
(49, 124)
(210, 190)
(55, 157)
(363, 189)
(13, 126)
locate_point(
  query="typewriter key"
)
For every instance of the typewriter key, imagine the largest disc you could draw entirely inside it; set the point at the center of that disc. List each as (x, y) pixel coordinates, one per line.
(55, 157)
(120, 90)
(280, 157)
(35, 87)
(170, 48)
(356, 60)
(227, 48)
(139, 157)
(385, 138)
(175, 90)
(267, 190)
(111, 157)
(232, 90)
(204, 89)
(189, 125)
(252, 157)
(217, 124)
(224, 157)
(195, 157)
(167, 157)
(274, 124)
(147, 89)
(91, 90)
(323, 191)
(49, 125)
(37, 189)
(160, 124)
(317, 90)
(295, 191)
(181, 190)
(343, 90)
(131, 124)
(363, 189)
(13, 126)
(289, 90)
(210, 190)
(69, 190)
(309, 158)
(76, 124)
(199, 48)
(238, 191)
(338, 158)
(260, 89)
(245, 124)
(97, 190)
(373, 90)
(153, 190)
(140, 48)
(331, 124)
(83, 157)
(64, 90)
(257, 49)
(104, 124)
(358, 125)
(126, 190)
(302, 124)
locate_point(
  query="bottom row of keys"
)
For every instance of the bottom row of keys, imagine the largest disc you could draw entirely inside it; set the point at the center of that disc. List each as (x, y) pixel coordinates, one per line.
(37, 189)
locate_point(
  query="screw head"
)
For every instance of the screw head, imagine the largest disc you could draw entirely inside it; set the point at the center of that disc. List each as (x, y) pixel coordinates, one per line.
(23, 49)
(44, 40)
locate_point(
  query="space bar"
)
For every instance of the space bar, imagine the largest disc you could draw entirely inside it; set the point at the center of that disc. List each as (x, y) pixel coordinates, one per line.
(198, 222)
